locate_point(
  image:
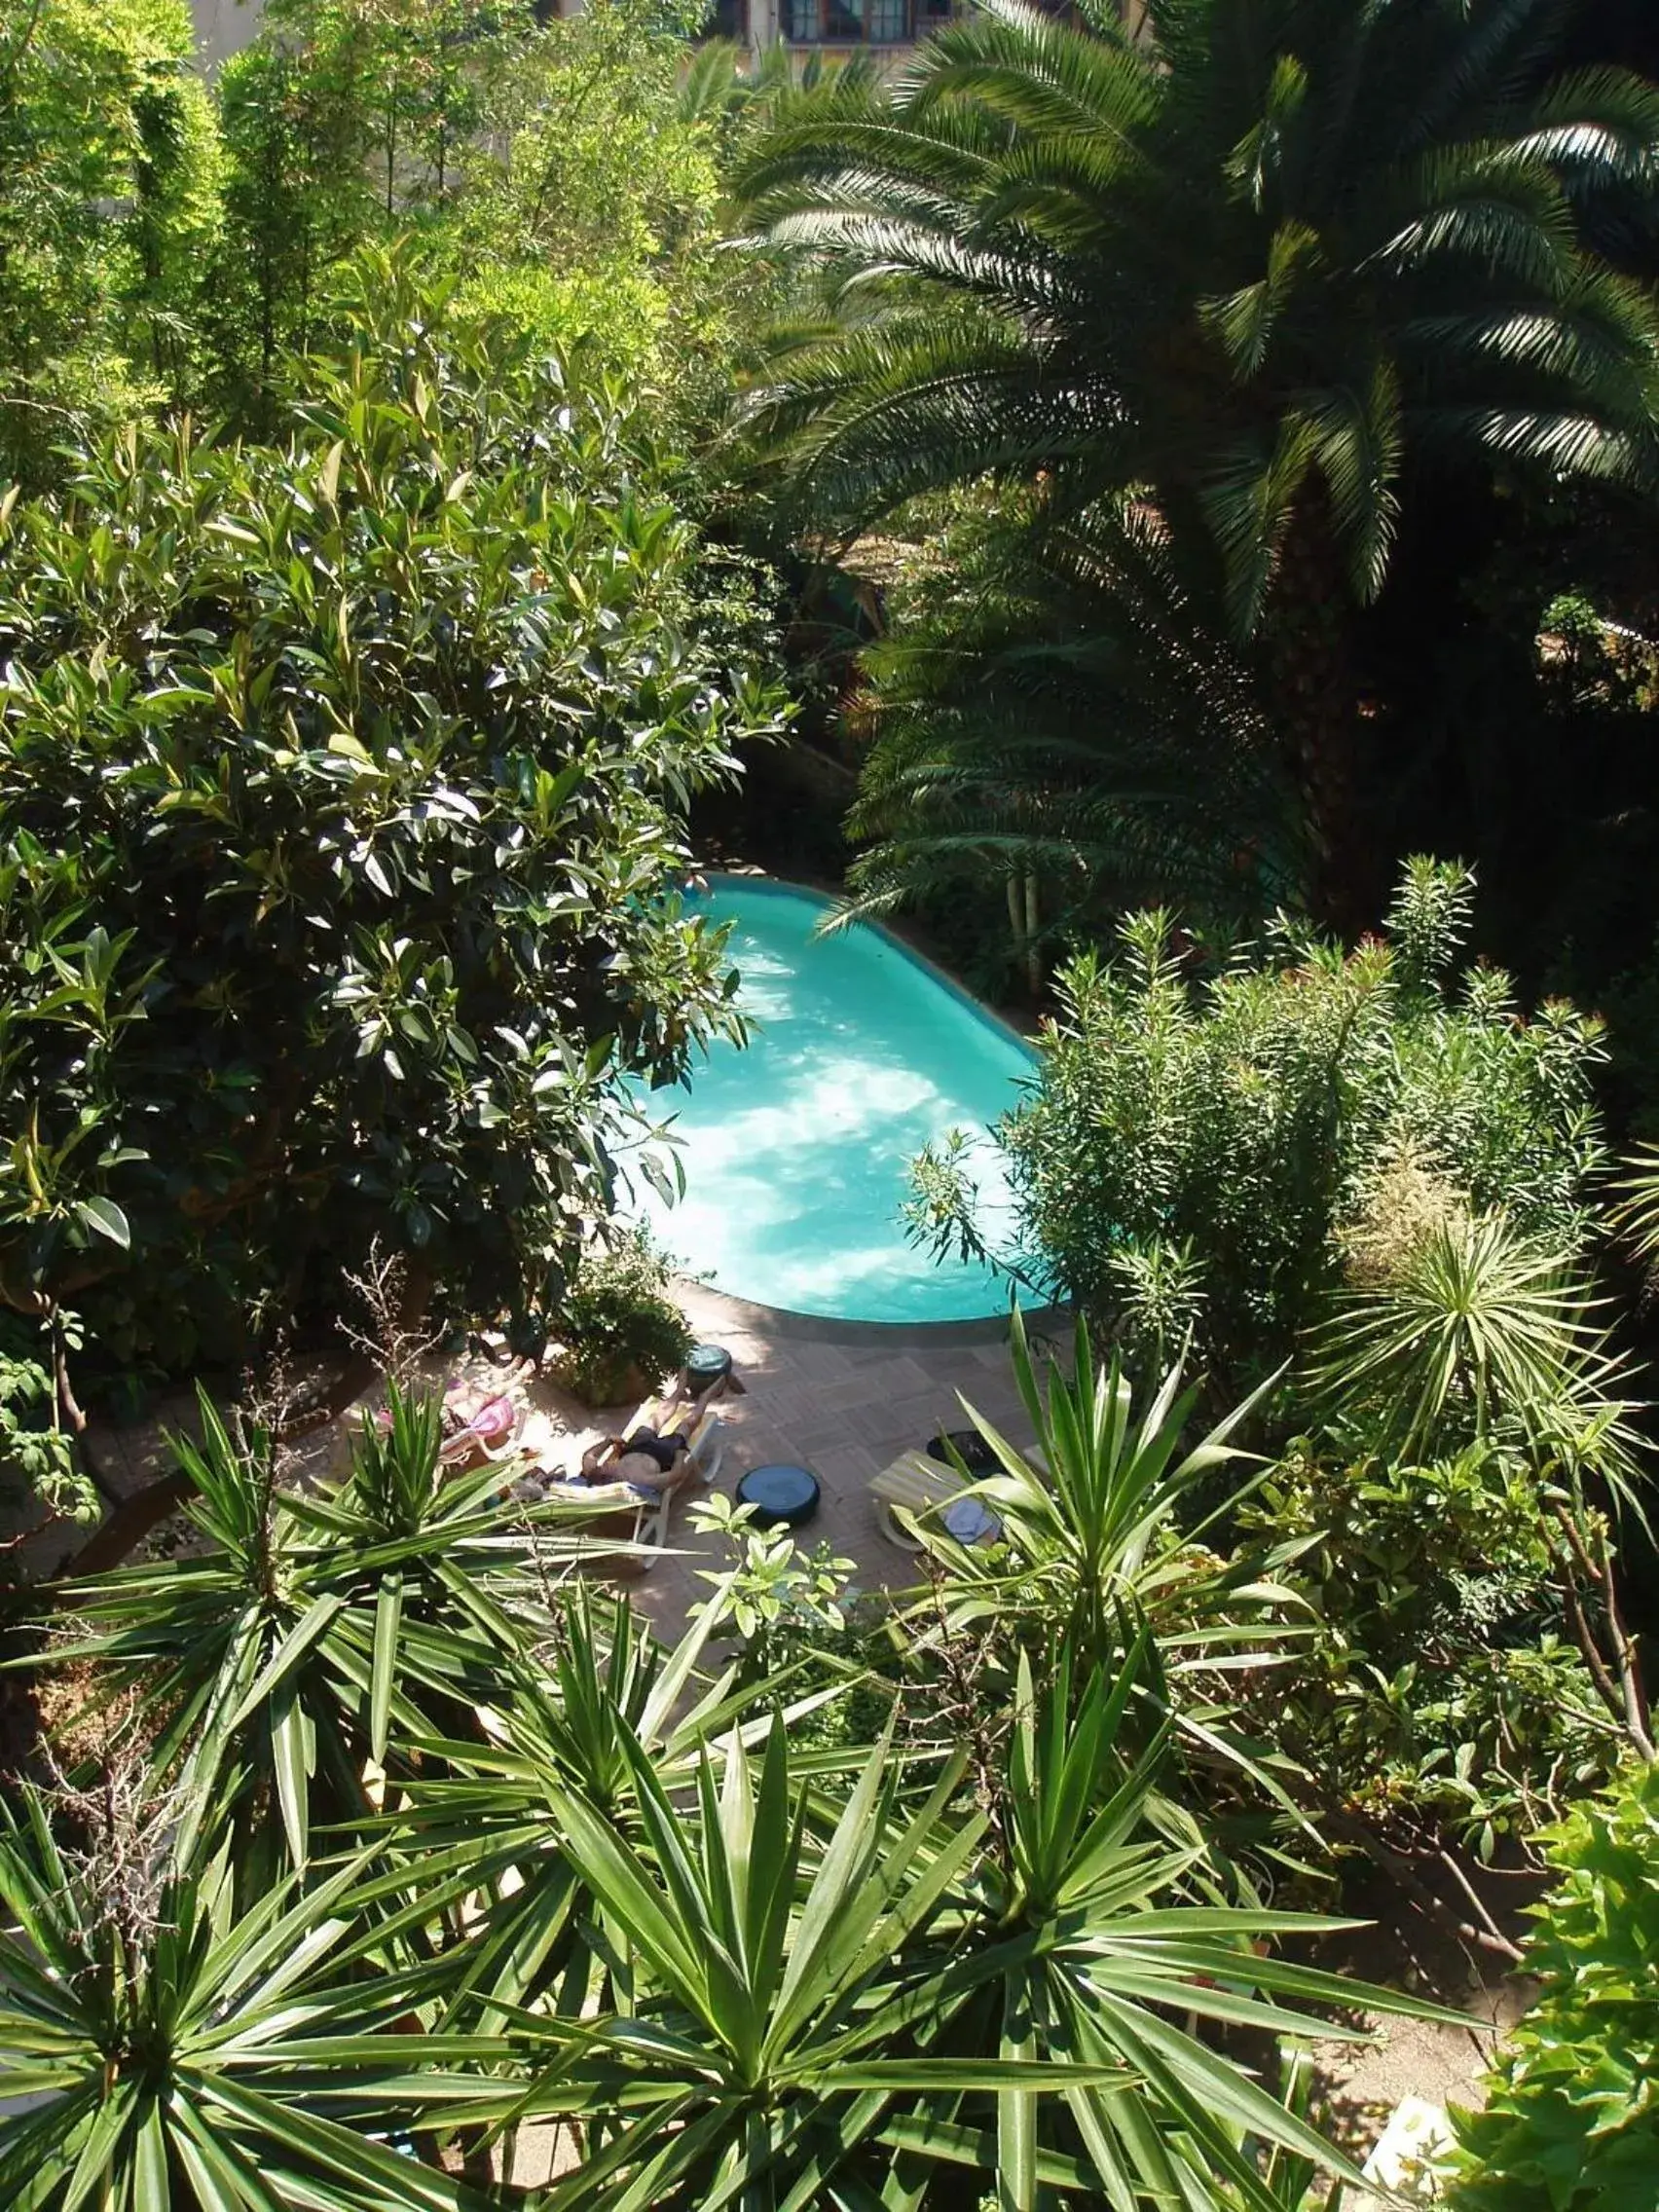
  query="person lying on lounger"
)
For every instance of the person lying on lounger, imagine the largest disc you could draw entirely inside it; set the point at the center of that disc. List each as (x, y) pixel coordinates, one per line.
(645, 1461)
(644, 1465)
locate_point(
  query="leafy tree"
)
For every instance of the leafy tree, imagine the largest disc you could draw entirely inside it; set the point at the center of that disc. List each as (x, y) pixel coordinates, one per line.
(588, 206)
(36, 1455)
(297, 194)
(342, 804)
(1209, 271)
(109, 176)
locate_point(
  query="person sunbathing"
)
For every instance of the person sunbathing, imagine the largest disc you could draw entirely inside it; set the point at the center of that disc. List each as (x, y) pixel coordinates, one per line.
(648, 1464)
(642, 1466)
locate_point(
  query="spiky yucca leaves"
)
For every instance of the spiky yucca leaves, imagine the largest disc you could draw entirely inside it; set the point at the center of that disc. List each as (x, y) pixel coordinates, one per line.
(476, 1826)
(1266, 251)
(843, 1999)
(1054, 708)
(1482, 1332)
(1091, 1518)
(166, 2052)
(320, 1629)
(1101, 1525)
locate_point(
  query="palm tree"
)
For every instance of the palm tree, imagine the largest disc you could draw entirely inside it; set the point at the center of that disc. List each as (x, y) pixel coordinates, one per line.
(1057, 723)
(1253, 270)
(1479, 1333)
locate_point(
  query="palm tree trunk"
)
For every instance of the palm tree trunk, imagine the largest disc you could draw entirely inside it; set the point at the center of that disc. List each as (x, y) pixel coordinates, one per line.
(1314, 700)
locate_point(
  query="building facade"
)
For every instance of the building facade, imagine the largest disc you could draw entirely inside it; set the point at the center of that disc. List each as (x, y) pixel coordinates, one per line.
(808, 26)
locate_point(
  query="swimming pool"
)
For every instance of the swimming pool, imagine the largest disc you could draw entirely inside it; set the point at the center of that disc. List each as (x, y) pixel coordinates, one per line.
(797, 1150)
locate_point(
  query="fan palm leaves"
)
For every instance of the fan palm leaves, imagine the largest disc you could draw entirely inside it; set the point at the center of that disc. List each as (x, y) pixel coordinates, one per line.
(1275, 248)
(1057, 710)
(1246, 277)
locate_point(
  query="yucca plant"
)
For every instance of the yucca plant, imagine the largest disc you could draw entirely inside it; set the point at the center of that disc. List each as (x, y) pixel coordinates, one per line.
(1637, 1213)
(315, 1625)
(163, 2051)
(1107, 1514)
(796, 2001)
(1481, 1332)
(477, 1824)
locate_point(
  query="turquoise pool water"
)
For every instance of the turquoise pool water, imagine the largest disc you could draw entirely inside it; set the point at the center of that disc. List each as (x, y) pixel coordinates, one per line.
(797, 1150)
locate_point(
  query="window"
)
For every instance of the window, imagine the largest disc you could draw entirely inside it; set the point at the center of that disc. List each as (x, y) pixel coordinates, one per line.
(729, 20)
(854, 22)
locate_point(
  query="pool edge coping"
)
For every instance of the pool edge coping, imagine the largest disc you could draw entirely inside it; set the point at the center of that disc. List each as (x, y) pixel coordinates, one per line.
(827, 1328)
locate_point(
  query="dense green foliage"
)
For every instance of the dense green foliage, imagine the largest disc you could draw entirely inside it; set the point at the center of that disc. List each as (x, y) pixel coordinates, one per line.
(1571, 2123)
(1440, 1692)
(1197, 271)
(618, 1323)
(309, 1624)
(387, 575)
(110, 171)
(1217, 1137)
(1053, 722)
(609, 1886)
(341, 797)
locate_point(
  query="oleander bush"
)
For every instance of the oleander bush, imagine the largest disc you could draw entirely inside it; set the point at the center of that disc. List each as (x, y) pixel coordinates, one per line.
(1211, 1149)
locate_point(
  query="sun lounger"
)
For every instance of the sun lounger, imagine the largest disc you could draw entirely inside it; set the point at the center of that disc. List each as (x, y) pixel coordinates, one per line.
(915, 1485)
(643, 1520)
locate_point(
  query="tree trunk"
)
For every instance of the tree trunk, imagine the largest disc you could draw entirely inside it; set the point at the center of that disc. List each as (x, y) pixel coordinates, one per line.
(1313, 699)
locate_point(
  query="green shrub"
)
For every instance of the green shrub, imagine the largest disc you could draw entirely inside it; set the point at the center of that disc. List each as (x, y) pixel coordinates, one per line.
(342, 794)
(616, 1321)
(1437, 1692)
(1206, 1126)
(1571, 2123)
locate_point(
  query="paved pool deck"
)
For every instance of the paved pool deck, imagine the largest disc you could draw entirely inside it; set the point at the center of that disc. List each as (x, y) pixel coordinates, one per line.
(843, 1398)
